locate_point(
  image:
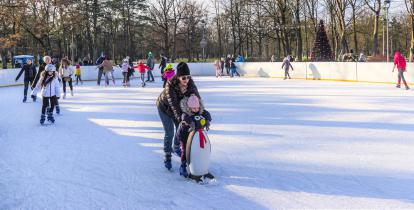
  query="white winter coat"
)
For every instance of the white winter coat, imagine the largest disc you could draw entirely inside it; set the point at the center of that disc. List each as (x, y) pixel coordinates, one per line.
(51, 89)
(125, 67)
(66, 72)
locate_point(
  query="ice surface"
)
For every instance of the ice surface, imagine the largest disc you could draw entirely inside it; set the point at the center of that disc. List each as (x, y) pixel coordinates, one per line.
(275, 145)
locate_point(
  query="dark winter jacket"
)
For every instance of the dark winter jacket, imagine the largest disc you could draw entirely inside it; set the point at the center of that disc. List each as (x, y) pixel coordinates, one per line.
(100, 60)
(150, 62)
(169, 99)
(163, 63)
(233, 63)
(227, 65)
(29, 72)
(41, 69)
(188, 116)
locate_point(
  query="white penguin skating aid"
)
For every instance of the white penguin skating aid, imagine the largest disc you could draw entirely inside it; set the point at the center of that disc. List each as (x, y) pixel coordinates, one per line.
(198, 153)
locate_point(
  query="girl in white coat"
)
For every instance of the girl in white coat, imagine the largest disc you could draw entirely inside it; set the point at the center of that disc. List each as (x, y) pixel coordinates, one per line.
(50, 87)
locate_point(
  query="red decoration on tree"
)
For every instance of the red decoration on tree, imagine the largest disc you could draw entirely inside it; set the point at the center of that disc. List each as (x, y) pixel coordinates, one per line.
(321, 49)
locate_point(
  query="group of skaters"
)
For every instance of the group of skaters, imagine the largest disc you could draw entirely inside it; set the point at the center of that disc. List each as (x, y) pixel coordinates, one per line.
(229, 64)
(48, 80)
(51, 76)
(399, 63)
(106, 68)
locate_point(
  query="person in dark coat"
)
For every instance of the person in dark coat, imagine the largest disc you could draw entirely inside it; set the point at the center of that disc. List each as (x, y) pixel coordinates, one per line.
(163, 64)
(46, 60)
(227, 64)
(98, 62)
(150, 64)
(169, 110)
(29, 70)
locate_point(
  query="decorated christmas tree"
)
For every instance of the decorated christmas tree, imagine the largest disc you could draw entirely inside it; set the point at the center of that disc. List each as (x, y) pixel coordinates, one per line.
(321, 49)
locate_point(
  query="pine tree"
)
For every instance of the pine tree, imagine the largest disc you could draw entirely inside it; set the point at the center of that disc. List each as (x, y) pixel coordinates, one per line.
(321, 49)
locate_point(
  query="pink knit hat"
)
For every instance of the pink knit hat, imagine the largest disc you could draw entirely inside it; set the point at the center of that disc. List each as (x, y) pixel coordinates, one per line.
(193, 102)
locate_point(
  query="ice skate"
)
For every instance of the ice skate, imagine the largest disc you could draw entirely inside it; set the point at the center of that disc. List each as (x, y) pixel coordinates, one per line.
(50, 117)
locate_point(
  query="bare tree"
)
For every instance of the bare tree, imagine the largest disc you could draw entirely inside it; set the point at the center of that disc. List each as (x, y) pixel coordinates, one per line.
(375, 7)
(410, 9)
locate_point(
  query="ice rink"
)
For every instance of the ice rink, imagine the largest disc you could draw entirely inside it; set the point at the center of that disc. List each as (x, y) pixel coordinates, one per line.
(275, 144)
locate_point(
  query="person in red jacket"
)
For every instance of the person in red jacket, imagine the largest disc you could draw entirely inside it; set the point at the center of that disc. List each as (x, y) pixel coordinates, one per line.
(142, 68)
(399, 61)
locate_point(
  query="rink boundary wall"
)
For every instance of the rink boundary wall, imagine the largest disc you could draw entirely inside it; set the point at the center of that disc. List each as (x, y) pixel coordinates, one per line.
(379, 73)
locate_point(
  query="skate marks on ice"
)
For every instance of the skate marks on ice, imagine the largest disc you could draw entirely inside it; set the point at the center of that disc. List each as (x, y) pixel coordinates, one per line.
(106, 151)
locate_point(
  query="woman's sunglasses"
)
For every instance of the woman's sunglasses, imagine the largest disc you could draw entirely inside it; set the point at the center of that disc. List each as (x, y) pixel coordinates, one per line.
(185, 77)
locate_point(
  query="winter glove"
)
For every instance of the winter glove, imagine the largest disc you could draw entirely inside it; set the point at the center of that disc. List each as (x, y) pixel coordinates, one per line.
(207, 125)
(186, 118)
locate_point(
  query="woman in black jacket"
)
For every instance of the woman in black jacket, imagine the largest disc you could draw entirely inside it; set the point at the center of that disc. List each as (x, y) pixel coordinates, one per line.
(168, 104)
(29, 70)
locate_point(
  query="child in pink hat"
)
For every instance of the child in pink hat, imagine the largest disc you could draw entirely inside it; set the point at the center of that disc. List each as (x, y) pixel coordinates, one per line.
(191, 107)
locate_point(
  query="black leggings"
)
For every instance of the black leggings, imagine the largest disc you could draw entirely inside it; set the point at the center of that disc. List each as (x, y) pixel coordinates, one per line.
(126, 77)
(26, 85)
(46, 100)
(64, 83)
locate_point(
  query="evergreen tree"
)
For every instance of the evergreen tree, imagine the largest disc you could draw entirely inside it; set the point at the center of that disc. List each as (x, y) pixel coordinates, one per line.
(321, 49)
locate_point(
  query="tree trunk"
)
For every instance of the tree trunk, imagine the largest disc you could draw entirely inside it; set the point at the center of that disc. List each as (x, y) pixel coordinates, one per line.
(354, 28)
(355, 35)
(4, 58)
(412, 36)
(95, 29)
(375, 50)
(299, 44)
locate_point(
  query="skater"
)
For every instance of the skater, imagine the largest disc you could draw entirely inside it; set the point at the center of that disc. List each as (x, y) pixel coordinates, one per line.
(107, 67)
(169, 73)
(99, 62)
(65, 72)
(125, 72)
(29, 70)
(227, 65)
(46, 60)
(50, 87)
(399, 61)
(163, 63)
(286, 65)
(169, 110)
(190, 106)
(222, 66)
(217, 68)
(150, 64)
(141, 68)
(78, 74)
(233, 68)
(130, 69)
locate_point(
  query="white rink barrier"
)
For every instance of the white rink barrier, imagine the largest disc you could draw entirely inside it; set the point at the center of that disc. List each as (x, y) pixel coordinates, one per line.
(338, 71)
(342, 71)
(8, 76)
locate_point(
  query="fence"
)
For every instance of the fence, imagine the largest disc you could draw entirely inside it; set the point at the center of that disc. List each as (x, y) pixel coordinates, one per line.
(341, 71)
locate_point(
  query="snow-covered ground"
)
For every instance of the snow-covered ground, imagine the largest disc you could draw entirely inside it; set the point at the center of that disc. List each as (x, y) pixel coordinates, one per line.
(276, 144)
